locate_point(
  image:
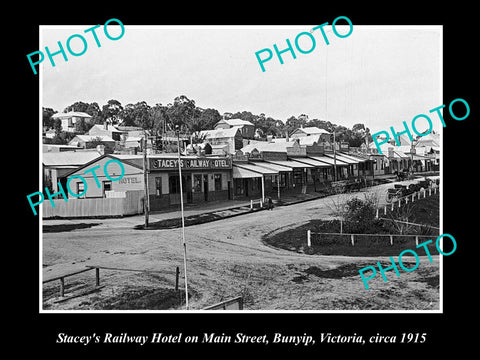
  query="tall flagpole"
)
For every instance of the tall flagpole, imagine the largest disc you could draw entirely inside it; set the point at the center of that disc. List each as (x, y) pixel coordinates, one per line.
(334, 156)
(183, 221)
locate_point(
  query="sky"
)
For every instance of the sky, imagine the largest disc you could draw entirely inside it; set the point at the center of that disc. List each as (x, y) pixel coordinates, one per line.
(379, 75)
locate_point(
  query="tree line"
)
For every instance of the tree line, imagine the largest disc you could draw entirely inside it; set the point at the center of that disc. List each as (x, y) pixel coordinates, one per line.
(191, 119)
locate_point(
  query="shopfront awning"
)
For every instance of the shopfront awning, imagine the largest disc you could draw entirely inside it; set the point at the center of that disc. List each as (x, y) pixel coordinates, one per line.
(352, 157)
(291, 164)
(344, 159)
(274, 167)
(239, 173)
(256, 169)
(328, 160)
(312, 162)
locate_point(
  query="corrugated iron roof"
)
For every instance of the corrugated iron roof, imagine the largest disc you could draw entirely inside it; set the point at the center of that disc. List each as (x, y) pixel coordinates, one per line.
(68, 158)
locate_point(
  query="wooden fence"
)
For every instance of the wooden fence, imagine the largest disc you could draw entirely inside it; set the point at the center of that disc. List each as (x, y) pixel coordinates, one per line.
(61, 278)
(406, 199)
(353, 236)
(231, 304)
(131, 204)
(97, 268)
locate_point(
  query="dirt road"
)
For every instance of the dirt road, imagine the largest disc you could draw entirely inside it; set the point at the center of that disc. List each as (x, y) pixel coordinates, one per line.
(227, 258)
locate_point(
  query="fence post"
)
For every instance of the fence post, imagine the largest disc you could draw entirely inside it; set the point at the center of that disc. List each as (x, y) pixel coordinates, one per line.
(261, 204)
(416, 240)
(309, 239)
(251, 204)
(351, 237)
(391, 240)
(177, 274)
(341, 226)
(376, 214)
(97, 276)
(62, 287)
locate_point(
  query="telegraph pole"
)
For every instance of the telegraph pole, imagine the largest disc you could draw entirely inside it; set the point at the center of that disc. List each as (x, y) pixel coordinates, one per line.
(146, 201)
(183, 220)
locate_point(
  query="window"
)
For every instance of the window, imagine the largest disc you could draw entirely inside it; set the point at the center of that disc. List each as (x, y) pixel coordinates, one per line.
(238, 183)
(218, 182)
(197, 183)
(81, 188)
(158, 186)
(107, 186)
(174, 184)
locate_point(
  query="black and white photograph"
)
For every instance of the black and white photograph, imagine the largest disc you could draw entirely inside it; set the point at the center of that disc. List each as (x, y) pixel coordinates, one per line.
(261, 184)
(205, 177)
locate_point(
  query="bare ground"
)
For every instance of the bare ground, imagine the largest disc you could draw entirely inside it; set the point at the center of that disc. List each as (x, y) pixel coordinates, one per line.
(227, 258)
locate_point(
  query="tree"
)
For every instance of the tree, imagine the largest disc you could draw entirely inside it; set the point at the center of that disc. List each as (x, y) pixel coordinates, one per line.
(293, 123)
(92, 144)
(81, 127)
(79, 106)
(182, 113)
(137, 115)
(57, 126)
(94, 111)
(47, 114)
(269, 126)
(227, 115)
(208, 118)
(159, 118)
(111, 111)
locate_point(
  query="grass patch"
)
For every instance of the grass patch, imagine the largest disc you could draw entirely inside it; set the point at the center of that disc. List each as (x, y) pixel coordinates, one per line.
(192, 219)
(424, 211)
(141, 298)
(67, 227)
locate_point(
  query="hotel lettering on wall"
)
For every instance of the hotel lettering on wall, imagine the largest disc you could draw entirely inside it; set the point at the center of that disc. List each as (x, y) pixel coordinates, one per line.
(201, 163)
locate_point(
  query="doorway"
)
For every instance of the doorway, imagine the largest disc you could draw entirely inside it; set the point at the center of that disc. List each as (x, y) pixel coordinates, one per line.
(205, 187)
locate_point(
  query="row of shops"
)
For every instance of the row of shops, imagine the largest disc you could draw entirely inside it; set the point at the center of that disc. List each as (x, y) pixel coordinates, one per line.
(245, 175)
(210, 178)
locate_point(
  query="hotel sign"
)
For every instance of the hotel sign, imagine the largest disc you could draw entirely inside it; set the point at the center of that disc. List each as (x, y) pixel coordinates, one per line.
(200, 163)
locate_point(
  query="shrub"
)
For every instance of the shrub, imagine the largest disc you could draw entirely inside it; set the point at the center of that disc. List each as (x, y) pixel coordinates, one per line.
(359, 215)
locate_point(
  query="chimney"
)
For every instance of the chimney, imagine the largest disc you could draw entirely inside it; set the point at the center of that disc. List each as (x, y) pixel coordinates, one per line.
(390, 152)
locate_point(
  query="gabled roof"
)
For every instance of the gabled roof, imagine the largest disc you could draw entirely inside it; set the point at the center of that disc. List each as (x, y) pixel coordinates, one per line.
(87, 138)
(310, 130)
(235, 122)
(70, 114)
(68, 158)
(265, 146)
(111, 128)
(220, 133)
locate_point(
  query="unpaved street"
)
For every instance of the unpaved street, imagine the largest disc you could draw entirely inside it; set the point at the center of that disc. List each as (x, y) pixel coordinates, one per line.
(227, 258)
